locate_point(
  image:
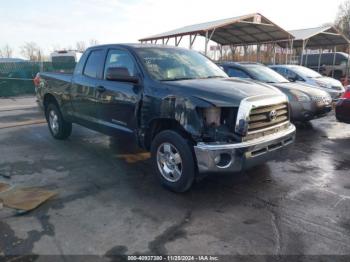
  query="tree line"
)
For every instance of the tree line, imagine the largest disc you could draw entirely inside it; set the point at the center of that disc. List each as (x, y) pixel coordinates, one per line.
(33, 52)
(342, 22)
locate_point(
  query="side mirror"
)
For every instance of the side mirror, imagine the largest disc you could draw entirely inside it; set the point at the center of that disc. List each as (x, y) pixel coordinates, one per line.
(120, 74)
(292, 79)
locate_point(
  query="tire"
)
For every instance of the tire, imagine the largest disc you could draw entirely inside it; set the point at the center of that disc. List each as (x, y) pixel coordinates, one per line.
(166, 149)
(59, 128)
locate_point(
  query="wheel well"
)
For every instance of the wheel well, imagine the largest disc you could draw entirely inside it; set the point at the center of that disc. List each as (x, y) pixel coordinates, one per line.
(48, 98)
(158, 125)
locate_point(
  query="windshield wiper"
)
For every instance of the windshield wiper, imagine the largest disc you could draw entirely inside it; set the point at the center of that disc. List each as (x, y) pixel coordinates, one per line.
(208, 77)
(178, 79)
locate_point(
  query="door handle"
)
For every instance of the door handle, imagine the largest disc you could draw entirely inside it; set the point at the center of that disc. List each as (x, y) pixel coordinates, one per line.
(100, 89)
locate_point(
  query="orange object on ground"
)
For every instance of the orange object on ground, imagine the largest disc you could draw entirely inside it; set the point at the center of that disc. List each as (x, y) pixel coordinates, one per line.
(4, 187)
(25, 199)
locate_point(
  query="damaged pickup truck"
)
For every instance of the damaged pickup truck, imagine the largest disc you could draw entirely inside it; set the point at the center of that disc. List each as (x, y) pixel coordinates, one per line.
(178, 105)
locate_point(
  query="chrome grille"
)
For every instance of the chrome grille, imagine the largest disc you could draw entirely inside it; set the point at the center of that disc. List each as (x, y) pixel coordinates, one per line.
(267, 116)
(322, 99)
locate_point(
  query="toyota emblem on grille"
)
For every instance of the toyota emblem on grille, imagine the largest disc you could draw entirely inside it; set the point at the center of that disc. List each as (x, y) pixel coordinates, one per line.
(273, 115)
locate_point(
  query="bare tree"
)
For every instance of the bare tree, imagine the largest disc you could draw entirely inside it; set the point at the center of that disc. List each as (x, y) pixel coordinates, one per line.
(32, 51)
(80, 46)
(93, 42)
(6, 51)
(342, 21)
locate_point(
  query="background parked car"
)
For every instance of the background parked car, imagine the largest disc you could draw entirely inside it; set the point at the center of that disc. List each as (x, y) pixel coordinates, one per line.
(329, 64)
(65, 61)
(306, 102)
(303, 74)
(343, 108)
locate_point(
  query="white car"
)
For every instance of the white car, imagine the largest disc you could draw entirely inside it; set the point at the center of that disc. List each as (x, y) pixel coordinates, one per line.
(305, 75)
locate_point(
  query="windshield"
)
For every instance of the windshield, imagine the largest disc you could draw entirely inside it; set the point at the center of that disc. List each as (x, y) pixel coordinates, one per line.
(265, 74)
(171, 64)
(305, 72)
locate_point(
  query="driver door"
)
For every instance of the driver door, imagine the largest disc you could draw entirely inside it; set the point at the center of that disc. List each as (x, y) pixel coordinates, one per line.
(117, 101)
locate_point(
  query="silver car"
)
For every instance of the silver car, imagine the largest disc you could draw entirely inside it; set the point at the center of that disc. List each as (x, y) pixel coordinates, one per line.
(295, 73)
(306, 102)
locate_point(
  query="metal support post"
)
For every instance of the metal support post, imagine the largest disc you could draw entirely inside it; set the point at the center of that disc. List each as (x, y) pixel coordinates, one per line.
(291, 51)
(302, 53)
(233, 51)
(286, 53)
(334, 58)
(221, 52)
(192, 39)
(319, 59)
(206, 42)
(245, 48)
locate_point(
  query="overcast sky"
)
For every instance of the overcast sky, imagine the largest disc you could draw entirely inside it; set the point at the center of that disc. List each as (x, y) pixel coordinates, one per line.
(59, 24)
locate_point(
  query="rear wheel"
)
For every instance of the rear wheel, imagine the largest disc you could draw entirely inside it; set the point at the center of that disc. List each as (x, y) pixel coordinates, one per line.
(59, 128)
(173, 161)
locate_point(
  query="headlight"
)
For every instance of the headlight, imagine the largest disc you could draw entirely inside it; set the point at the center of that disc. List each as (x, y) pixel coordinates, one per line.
(324, 85)
(301, 97)
(212, 116)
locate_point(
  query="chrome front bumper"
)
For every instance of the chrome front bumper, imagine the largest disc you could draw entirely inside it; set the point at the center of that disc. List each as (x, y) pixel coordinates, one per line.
(240, 156)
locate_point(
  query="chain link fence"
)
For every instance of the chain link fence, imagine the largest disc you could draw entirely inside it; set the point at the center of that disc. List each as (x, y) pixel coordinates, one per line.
(16, 78)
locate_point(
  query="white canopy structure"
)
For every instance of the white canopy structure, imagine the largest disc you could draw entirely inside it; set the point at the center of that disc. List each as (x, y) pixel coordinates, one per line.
(325, 36)
(317, 38)
(253, 29)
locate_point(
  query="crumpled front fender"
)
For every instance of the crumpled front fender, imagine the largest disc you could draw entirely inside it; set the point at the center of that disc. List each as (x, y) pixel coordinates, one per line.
(184, 111)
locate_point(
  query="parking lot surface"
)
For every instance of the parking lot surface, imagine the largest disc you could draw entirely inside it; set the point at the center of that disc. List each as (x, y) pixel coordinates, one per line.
(110, 202)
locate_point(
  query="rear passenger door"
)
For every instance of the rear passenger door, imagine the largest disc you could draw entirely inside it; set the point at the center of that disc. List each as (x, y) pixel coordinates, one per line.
(84, 84)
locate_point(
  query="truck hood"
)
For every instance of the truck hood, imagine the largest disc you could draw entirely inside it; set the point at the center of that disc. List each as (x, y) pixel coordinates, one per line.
(224, 92)
(306, 89)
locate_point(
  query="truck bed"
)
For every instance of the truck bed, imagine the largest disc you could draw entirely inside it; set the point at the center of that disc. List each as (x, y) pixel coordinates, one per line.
(57, 76)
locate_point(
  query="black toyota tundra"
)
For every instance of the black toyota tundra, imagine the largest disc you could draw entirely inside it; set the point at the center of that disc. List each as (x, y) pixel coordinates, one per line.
(178, 105)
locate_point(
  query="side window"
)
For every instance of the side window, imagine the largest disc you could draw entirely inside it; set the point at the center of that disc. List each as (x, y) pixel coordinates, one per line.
(234, 72)
(120, 58)
(94, 64)
(279, 70)
(293, 75)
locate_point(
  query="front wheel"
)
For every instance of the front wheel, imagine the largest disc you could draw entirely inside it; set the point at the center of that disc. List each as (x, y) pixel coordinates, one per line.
(173, 161)
(59, 128)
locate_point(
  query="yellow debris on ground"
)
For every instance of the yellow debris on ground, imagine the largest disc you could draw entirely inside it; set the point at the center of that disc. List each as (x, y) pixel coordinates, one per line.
(25, 199)
(4, 187)
(134, 158)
